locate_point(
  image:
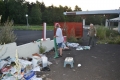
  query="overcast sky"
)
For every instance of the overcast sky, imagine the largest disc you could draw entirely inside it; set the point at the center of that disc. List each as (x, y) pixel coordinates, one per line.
(84, 4)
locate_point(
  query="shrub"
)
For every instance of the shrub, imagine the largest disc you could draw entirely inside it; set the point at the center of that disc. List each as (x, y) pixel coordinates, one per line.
(6, 33)
(107, 36)
(72, 39)
(101, 32)
(117, 40)
(42, 48)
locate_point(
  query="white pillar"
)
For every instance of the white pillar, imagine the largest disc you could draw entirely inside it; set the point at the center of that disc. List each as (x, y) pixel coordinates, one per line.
(83, 23)
(119, 24)
(44, 31)
(106, 23)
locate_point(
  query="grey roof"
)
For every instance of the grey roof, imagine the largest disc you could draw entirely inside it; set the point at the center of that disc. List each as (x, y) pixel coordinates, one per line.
(117, 11)
(114, 20)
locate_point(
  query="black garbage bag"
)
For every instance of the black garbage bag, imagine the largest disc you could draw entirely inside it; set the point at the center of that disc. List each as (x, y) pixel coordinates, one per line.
(45, 69)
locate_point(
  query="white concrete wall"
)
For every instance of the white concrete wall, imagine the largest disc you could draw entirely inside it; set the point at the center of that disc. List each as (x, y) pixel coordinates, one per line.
(28, 49)
(8, 50)
(25, 50)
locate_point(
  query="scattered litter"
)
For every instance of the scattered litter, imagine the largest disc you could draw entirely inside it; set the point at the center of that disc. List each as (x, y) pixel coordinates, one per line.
(73, 69)
(43, 76)
(86, 47)
(83, 48)
(45, 69)
(9, 78)
(34, 62)
(79, 48)
(72, 44)
(49, 63)
(24, 63)
(36, 68)
(10, 70)
(44, 61)
(79, 65)
(35, 78)
(29, 75)
(93, 56)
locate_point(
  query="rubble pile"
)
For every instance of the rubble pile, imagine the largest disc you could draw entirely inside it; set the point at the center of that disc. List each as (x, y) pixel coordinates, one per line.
(24, 68)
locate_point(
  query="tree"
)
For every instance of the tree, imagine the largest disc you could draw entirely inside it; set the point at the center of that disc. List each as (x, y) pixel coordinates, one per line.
(36, 15)
(17, 11)
(42, 6)
(5, 10)
(77, 8)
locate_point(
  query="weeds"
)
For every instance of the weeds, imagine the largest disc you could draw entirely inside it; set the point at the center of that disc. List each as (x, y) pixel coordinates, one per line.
(6, 33)
(106, 35)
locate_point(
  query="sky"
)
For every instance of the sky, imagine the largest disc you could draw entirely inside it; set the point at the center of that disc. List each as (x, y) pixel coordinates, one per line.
(84, 4)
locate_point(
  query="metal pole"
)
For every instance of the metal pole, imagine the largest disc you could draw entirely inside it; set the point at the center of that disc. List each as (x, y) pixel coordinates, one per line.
(0, 19)
(27, 22)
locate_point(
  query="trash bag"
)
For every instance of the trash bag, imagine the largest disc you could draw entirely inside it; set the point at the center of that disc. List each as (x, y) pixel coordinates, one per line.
(29, 75)
(45, 69)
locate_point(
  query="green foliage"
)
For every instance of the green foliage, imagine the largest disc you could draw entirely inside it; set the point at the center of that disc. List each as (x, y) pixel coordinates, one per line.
(35, 16)
(6, 33)
(117, 39)
(101, 32)
(42, 48)
(39, 13)
(77, 8)
(16, 11)
(72, 39)
(106, 35)
(2, 8)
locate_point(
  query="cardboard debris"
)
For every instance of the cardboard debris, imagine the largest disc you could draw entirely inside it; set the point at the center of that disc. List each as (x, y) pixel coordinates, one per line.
(8, 67)
(36, 54)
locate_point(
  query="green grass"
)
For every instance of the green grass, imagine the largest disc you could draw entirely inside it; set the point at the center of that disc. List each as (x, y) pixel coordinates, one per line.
(32, 27)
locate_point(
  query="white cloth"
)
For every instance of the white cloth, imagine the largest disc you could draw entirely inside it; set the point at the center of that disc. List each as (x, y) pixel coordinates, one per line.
(59, 38)
(72, 44)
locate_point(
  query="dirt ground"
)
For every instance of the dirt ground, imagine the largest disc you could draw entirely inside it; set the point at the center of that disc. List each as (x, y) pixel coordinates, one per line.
(102, 62)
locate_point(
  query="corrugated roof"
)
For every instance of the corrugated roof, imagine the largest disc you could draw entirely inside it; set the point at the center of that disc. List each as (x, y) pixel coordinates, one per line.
(117, 11)
(114, 20)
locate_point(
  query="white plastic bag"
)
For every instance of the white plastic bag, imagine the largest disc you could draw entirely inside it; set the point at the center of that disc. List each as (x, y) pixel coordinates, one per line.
(44, 61)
